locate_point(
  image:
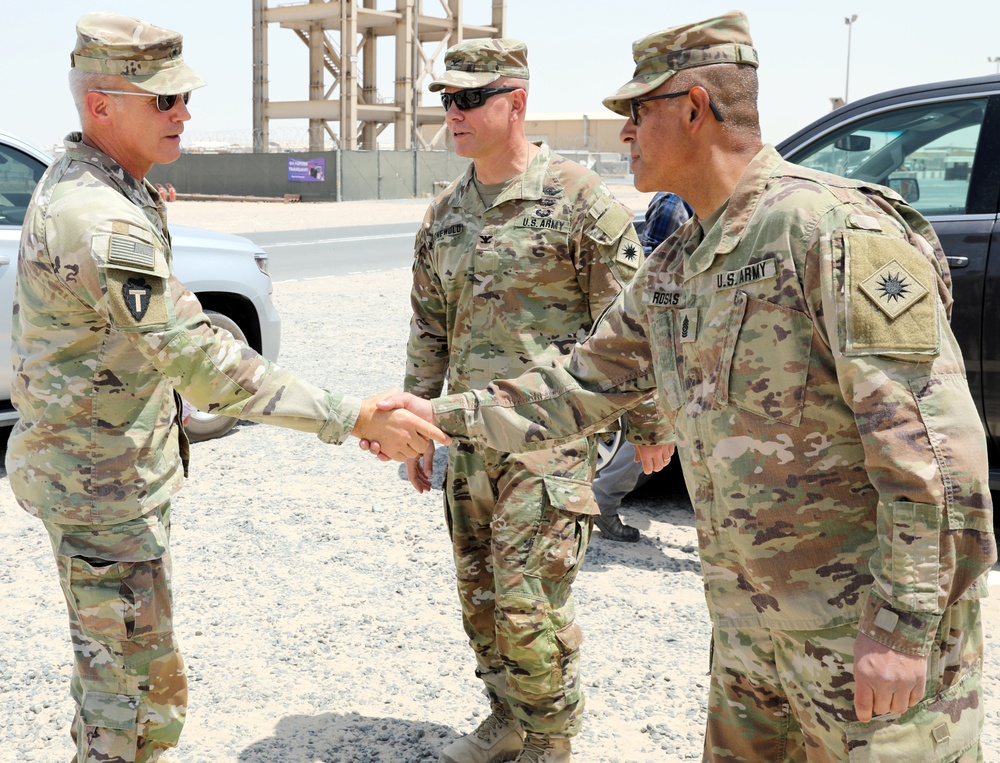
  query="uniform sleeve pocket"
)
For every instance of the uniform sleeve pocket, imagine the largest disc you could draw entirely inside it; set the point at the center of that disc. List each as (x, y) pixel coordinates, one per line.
(914, 548)
(765, 359)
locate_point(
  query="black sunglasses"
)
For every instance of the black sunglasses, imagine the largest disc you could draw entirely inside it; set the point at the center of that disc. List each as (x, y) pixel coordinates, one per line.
(633, 104)
(472, 97)
(163, 102)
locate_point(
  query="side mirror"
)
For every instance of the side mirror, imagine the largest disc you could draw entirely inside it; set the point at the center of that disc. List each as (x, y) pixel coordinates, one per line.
(908, 188)
(853, 143)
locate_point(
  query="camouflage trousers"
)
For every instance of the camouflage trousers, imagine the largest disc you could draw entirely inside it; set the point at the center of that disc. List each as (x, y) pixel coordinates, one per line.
(788, 696)
(128, 679)
(519, 525)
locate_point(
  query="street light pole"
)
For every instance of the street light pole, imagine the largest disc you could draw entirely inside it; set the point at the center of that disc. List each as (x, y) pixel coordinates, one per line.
(994, 60)
(850, 25)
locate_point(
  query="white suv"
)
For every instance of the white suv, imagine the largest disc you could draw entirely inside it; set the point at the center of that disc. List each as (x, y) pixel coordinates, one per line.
(228, 274)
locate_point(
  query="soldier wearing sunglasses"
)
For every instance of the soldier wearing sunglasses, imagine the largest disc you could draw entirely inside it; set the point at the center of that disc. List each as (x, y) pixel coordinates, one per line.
(513, 264)
(796, 329)
(104, 339)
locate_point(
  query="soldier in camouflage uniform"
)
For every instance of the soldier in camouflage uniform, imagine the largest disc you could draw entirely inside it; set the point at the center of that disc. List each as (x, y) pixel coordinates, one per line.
(104, 337)
(798, 338)
(513, 264)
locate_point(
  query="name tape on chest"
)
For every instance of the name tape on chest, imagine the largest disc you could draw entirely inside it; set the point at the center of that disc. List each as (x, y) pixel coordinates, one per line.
(758, 271)
(448, 230)
(663, 298)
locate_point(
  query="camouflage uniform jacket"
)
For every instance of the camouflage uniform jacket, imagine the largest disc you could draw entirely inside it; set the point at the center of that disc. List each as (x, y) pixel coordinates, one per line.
(498, 290)
(103, 334)
(830, 445)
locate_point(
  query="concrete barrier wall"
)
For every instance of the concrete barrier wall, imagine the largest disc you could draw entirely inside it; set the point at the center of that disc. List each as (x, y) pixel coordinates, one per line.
(333, 175)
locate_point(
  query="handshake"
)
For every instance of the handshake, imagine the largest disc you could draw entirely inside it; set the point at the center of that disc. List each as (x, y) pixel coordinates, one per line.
(396, 426)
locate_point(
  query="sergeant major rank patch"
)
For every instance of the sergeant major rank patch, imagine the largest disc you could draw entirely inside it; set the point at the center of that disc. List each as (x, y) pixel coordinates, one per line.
(689, 324)
(137, 293)
(893, 289)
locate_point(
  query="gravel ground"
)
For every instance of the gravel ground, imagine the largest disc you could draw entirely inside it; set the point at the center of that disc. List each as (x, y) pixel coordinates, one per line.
(315, 598)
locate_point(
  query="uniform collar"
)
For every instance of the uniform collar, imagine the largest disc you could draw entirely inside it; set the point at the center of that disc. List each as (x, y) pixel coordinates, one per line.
(529, 185)
(141, 193)
(727, 233)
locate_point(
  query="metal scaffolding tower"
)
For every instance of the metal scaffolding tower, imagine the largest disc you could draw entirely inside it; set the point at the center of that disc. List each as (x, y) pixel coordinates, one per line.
(349, 57)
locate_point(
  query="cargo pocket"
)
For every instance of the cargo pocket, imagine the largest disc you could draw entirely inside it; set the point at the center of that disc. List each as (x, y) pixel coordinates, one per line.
(765, 359)
(104, 605)
(563, 530)
(110, 711)
(111, 577)
(937, 730)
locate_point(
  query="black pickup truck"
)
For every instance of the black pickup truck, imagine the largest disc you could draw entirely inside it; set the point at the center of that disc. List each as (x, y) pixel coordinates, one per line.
(938, 145)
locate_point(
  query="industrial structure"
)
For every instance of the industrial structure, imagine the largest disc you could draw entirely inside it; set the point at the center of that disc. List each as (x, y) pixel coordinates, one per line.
(344, 103)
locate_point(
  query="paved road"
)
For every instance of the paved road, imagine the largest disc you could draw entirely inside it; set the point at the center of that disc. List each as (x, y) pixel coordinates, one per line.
(319, 252)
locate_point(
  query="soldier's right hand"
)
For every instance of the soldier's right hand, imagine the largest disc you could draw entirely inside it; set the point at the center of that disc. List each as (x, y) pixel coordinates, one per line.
(399, 433)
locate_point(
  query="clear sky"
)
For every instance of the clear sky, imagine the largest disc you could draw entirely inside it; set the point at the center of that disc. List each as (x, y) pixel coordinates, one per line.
(579, 51)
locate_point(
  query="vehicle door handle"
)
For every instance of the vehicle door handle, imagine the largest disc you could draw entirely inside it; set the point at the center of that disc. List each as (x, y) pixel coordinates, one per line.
(958, 262)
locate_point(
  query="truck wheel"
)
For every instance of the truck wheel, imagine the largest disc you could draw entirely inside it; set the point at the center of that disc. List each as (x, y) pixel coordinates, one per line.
(207, 426)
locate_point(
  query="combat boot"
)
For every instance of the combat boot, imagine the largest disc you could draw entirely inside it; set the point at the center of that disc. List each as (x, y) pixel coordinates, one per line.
(545, 750)
(498, 738)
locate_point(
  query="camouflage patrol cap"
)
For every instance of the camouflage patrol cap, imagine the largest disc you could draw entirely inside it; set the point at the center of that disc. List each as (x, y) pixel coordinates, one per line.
(147, 56)
(476, 63)
(658, 57)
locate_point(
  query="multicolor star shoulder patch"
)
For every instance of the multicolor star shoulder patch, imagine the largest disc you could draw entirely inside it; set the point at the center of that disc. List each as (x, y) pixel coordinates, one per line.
(891, 302)
(629, 252)
(893, 289)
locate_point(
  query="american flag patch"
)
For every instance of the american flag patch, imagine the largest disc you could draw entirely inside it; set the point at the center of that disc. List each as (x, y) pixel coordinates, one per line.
(127, 251)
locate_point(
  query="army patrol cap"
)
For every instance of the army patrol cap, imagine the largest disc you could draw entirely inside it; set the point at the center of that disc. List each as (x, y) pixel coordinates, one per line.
(477, 63)
(658, 57)
(147, 56)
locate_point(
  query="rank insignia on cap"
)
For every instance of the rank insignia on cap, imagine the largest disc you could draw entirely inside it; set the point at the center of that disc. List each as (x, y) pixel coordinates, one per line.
(136, 293)
(893, 289)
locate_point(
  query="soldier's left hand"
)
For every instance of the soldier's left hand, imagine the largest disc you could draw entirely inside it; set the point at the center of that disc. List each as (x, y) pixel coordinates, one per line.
(885, 681)
(653, 457)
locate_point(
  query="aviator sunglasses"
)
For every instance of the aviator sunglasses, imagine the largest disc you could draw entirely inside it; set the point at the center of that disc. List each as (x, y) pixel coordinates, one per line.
(163, 102)
(633, 105)
(473, 97)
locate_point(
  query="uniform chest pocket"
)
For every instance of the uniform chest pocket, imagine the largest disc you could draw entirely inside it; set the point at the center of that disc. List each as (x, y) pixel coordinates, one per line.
(765, 359)
(664, 350)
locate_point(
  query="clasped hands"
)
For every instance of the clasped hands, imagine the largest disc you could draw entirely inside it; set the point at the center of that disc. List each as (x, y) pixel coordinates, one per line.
(394, 429)
(419, 465)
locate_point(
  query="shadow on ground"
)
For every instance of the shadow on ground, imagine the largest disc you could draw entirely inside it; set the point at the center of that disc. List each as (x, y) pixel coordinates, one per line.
(351, 738)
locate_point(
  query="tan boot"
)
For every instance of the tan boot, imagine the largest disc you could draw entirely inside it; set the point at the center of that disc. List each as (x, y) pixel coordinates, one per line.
(545, 750)
(497, 739)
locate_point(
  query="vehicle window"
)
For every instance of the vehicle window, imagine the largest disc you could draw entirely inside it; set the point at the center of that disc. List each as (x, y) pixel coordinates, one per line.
(925, 152)
(19, 173)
